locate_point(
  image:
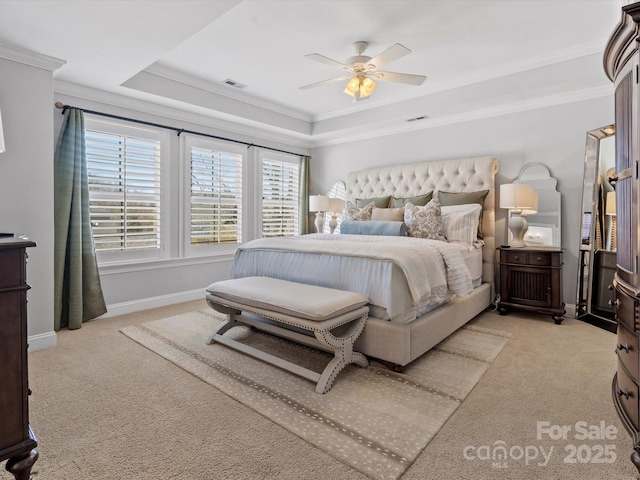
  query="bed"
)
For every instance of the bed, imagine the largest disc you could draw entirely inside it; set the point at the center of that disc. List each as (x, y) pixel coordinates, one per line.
(407, 317)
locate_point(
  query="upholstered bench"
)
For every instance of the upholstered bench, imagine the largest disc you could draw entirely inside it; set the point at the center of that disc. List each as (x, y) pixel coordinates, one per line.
(294, 311)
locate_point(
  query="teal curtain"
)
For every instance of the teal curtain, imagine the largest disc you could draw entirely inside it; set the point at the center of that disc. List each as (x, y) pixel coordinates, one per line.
(303, 206)
(77, 290)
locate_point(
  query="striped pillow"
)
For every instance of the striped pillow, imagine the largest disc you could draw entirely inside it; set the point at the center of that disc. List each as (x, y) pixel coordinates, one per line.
(461, 222)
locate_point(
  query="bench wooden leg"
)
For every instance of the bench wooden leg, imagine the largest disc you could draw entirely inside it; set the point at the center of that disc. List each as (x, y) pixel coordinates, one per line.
(343, 353)
(229, 323)
(341, 346)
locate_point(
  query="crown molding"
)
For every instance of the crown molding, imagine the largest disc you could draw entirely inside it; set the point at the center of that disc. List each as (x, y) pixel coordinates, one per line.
(173, 113)
(224, 90)
(27, 57)
(308, 141)
(517, 107)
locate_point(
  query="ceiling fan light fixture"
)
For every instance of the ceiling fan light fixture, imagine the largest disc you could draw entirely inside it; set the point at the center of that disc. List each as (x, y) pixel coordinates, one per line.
(360, 87)
(353, 86)
(367, 86)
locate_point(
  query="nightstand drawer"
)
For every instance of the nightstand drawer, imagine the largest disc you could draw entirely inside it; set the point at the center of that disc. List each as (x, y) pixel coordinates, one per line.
(627, 394)
(543, 259)
(533, 259)
(516, 257)
(627, 349)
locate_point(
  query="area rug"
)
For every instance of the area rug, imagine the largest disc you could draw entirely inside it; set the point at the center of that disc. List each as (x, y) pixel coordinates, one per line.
(373, 419)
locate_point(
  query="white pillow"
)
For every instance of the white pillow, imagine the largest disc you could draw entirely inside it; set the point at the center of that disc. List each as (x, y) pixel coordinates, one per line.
(461, 222)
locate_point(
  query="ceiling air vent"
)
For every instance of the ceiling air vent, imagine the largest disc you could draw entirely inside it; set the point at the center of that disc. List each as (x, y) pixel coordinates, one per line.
(421, 117)
(233, 83)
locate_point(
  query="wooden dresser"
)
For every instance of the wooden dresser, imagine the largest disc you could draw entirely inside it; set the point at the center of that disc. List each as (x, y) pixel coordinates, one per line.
(17, 440)
(621, 62)
(531, 279)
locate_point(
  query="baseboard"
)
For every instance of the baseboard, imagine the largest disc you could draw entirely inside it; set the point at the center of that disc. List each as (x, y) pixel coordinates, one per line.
(570, 311)
(152, 302)
(42, 341)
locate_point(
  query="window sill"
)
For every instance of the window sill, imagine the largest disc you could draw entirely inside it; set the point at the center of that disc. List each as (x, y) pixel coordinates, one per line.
(115, 268)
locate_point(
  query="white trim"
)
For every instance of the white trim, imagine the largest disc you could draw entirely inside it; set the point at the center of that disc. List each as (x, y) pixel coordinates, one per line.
(42, 341)
(129, 267)
(175, 113)
(570, 310)
(152, 302)
(224, 90)
(33, 59)
(532, 104)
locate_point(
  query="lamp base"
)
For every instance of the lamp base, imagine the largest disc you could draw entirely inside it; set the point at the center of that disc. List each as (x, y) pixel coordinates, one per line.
(518, 226)
(333, 223)
(319, 222)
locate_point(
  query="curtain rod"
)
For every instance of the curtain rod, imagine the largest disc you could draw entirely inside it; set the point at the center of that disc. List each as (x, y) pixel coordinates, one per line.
(179, 131)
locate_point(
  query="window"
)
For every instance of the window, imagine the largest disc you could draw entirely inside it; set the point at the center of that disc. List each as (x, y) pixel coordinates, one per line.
(146, 205)
(124, 175)
(280, 195)
(216, 193)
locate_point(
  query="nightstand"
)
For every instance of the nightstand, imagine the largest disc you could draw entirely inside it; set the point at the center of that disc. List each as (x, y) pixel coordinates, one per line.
(531, 279)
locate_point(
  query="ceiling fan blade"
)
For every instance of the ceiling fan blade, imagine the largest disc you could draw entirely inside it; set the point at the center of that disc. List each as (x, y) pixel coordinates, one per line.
(325, 82)
(392, 53)
(399, 77)
(327, 61)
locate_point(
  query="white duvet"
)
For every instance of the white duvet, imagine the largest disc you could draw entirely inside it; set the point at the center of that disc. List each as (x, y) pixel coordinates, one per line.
(396, 273)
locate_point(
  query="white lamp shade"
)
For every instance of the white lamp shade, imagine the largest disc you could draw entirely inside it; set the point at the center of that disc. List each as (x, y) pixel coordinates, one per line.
(1, 135)
(319, 203)
(336, 205)
(518, 196)
(610, 206)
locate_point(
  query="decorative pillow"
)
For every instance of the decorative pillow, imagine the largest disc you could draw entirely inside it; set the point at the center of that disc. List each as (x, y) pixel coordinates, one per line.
(374, 228)
(461, 222)
(462, 198)
(420, 200)
(380, 202)
(387, 214)
(351, 212)
(424, 222)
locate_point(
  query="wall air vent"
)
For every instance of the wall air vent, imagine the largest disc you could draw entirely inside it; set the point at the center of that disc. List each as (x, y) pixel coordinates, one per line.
(421, 117)
(233, 83)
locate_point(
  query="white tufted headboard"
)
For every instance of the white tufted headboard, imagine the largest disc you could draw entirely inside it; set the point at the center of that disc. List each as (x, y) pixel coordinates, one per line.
(466, 175)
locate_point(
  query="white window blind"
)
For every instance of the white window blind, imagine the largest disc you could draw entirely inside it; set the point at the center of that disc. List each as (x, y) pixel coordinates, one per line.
(280, 198)
(216, 196)
(124, 191)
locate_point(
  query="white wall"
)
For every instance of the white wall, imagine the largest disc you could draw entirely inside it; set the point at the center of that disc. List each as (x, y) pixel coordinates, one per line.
(554, 136)
(26, 183)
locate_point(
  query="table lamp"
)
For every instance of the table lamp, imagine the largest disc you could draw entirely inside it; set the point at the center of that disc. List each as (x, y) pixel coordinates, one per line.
(521, 200)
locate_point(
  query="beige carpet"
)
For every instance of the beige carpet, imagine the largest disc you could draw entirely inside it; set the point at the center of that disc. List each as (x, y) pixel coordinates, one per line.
(374, 420)
(105, 408)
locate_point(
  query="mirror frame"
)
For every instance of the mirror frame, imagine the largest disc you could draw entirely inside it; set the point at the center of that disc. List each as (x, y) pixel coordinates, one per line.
(549, 219)
(592, 224)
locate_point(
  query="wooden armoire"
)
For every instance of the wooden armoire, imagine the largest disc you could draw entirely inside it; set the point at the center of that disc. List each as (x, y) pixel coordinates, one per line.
(622, 64)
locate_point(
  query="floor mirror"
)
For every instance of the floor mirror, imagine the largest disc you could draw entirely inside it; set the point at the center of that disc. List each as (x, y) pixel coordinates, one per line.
(597, 256)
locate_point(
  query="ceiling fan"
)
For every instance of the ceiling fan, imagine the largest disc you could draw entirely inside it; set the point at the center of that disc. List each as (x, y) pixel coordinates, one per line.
(362, 69)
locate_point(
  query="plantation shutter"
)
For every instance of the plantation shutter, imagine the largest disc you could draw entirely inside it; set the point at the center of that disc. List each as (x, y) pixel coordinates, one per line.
(280, 193)
(216, 196)
(124, 191)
